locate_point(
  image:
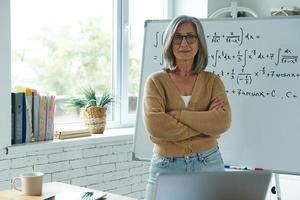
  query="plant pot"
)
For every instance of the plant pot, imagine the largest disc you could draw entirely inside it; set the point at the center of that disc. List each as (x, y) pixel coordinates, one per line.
(94, 118)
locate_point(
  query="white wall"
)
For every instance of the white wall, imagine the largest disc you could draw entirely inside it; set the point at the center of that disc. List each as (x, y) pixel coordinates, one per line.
(261, 7)
(196, 8)
(5, 110)
(102, 163)
(204, 8)
(289, 183)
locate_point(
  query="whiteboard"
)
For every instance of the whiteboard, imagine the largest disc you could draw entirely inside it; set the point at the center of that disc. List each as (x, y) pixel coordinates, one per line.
(258, 61)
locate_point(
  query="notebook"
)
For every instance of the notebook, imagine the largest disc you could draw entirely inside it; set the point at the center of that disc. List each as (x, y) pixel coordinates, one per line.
(223, 185)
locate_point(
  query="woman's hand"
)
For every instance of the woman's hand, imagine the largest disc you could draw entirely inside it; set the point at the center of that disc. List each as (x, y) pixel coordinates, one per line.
(216, 103)
(174, 113)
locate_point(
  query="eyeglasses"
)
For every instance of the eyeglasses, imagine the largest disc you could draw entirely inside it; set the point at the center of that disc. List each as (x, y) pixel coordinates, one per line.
(190, 38)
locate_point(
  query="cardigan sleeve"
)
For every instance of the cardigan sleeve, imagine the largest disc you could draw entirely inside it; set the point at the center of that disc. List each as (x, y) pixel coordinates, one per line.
(212, 122)
(159, 124)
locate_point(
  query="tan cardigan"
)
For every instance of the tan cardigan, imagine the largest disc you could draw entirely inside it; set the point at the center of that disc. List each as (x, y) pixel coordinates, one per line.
(197, 128)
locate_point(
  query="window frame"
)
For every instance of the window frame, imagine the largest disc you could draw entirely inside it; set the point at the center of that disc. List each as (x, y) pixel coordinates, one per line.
(120, 47)
(122, 31)
(120, 56)
(5, 72)
(120, 63)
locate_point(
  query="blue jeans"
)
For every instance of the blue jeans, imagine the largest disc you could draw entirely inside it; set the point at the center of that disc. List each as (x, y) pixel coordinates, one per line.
(210, 160)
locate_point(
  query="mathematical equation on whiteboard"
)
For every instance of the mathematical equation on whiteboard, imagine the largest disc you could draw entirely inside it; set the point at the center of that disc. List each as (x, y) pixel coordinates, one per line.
(279, 56)
(272, 93)
(262, 73)
(232, 37)
(231, 58)
(241, 57)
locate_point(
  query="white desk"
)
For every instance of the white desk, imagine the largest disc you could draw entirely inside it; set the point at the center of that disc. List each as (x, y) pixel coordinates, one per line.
(54, 188)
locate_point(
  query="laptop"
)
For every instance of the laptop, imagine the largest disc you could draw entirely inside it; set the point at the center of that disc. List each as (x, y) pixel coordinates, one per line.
(223, 185)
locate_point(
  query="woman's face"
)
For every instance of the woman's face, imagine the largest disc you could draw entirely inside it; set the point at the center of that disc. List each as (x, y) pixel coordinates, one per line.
(185, 43)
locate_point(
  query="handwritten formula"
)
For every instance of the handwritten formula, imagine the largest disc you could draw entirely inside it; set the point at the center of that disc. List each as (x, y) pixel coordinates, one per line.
(244, 58)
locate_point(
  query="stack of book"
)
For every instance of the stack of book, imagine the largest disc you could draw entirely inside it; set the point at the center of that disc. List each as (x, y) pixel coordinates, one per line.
(32, 115)
(67, 134)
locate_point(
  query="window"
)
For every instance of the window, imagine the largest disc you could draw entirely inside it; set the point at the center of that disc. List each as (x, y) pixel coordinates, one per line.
(65, 46)
(62, 46)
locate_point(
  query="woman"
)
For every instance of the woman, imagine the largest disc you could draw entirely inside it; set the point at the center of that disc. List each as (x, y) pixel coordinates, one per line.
(185, 108)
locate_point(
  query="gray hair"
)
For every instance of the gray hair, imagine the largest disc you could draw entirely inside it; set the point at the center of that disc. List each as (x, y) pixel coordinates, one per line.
(201, 58)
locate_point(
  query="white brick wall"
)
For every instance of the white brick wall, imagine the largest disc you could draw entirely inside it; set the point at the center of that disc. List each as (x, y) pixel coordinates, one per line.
(102, 163)
(5, 164)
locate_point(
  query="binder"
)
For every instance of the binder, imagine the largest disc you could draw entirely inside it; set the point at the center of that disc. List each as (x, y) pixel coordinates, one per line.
(13, 96)
(19, 105)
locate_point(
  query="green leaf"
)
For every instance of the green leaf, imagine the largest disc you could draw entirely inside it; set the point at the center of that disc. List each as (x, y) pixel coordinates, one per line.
(76, 102)
(105, 99)
(90, 95)
(89, 98)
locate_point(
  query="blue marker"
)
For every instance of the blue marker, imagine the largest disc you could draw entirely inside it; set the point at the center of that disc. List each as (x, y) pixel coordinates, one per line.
(235, 167)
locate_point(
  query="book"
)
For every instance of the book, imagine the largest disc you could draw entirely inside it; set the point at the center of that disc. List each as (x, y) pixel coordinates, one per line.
(29, 130)
(24, 119)
(71, 134)
(50, 117)
(27, 113)
(35, 114)
(42, 116)
(13, 97)
(19, 103)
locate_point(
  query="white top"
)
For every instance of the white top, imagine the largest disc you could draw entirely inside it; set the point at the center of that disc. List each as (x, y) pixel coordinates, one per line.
(186, 99)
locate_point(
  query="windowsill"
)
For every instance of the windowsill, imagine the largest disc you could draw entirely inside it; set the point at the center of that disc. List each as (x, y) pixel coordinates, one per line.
(109, 135)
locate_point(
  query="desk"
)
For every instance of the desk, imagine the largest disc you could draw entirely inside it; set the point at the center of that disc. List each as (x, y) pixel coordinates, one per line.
(51, 189)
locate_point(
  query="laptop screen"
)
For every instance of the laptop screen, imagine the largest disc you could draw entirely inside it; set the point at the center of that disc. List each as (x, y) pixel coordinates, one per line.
(223, 185)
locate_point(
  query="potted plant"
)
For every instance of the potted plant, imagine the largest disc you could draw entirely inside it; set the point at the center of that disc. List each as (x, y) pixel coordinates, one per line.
(92, 109)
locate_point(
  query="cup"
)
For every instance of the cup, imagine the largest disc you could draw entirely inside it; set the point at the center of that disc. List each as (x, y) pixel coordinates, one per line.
(31, 183)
